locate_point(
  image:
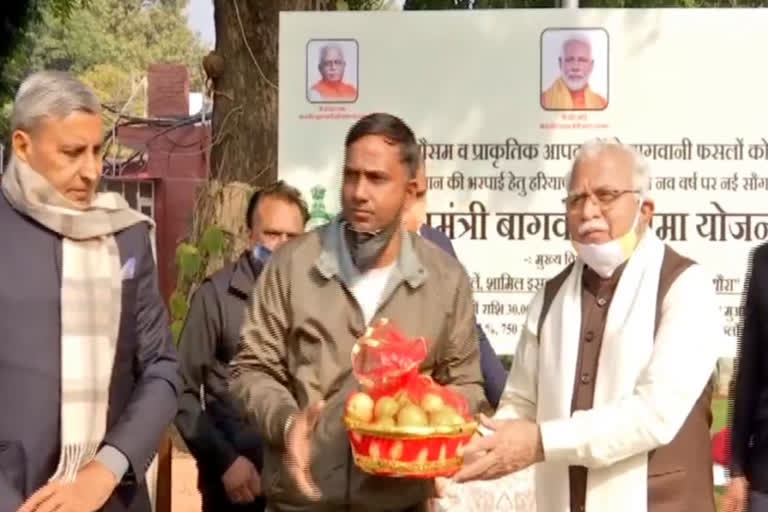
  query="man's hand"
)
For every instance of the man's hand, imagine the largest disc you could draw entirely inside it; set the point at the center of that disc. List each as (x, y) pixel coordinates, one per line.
(242, 481)
(736, 497)
(514, 445)
(92, 487)
(441, 487)
(298, 449)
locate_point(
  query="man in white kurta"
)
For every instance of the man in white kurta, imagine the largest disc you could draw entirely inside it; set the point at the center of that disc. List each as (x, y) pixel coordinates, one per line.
(610, 388)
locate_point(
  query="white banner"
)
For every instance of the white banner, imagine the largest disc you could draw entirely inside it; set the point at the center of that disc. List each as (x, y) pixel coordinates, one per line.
(484, 92)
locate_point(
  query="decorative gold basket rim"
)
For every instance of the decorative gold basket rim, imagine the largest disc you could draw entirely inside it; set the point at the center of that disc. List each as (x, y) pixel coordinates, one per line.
(402, 468)
(396, 432)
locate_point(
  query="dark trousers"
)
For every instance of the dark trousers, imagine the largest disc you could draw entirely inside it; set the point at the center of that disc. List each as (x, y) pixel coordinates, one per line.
(758, 502)
(215, 499)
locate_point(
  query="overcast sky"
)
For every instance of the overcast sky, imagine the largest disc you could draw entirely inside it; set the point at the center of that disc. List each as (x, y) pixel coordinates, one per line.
(200, 18)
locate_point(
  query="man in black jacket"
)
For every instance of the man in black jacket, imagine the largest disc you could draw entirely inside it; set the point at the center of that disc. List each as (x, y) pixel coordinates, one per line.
(748, 489)
(227, 450)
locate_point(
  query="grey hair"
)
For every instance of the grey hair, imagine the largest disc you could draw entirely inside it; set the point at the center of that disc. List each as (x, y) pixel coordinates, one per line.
(641, 173)
(331, 46)
(575, 38)
(51, 94)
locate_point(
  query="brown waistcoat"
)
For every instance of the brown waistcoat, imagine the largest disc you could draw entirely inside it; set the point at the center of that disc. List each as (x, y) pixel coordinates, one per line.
(679, 473)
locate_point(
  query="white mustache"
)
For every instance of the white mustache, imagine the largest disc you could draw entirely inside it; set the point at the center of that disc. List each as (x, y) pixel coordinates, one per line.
(593, 225)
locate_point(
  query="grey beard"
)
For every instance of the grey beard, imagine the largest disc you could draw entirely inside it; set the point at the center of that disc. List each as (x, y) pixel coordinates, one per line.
(366, 247)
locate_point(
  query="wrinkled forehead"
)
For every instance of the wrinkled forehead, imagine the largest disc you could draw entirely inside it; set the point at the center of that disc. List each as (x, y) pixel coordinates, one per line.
(78, 127)
(576, 48)
(610, 168)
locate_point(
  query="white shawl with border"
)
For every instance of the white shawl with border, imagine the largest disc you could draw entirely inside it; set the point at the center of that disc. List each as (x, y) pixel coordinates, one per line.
(626, 350)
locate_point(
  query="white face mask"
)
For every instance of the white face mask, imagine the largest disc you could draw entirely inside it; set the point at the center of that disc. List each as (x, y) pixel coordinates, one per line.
(605, 258)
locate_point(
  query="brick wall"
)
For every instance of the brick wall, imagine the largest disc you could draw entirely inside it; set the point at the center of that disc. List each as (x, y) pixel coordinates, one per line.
(168, 90)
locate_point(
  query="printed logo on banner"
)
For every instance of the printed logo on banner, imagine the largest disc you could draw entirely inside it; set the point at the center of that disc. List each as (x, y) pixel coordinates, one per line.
(574, 69)
(332, 70)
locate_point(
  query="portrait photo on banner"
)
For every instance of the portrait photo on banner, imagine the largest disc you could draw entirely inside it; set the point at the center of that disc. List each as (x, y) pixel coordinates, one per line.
(574, 69)
(332, 70)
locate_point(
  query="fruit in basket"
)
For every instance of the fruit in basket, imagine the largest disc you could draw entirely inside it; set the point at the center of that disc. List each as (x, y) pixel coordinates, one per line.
(360, 407)
(411, 415)
(402, 397)
(386, 407)
(446, 416)
(432, 402)
(385, 422)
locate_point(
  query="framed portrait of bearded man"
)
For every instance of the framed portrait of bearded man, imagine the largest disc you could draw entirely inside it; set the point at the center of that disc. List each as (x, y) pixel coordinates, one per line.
(574, 69)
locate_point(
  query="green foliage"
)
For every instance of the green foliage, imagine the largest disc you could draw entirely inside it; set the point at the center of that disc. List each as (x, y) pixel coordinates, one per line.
(176, 328)
(118, 33)
(502, 4)
(63, 9)
(178, 305)
(188, 261)
(361, 5)
(213, 241)
(192, 263)
(107, 43)
(418, 5)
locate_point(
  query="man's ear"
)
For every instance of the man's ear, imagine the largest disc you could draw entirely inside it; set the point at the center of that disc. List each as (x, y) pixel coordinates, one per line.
(411, 187)
(647, 209)
(22, 144)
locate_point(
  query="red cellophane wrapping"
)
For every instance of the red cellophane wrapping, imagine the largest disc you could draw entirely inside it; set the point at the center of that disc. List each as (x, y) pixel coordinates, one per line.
(386, 364)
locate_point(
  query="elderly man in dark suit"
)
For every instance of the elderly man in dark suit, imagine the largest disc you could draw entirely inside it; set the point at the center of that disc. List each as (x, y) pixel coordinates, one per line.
(494, 374)
(88, 373)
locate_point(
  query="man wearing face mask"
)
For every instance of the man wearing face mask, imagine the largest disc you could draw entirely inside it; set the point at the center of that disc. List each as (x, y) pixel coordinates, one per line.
(316, 298)
(610, 387)
(227, 450)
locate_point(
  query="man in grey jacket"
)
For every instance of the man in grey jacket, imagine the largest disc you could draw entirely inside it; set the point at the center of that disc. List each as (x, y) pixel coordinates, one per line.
(415, 221)
(313, 301)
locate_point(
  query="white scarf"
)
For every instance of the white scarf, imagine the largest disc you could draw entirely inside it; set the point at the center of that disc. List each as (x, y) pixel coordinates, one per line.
(626, 349)
(91, 295)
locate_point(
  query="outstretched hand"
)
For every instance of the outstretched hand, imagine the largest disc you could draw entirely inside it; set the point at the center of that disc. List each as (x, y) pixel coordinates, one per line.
(298, 450)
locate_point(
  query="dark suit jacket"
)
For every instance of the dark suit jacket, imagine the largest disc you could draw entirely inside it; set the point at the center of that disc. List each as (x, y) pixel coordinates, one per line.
(749, 434)
(494, 374)
(217, 435)
(143, 391)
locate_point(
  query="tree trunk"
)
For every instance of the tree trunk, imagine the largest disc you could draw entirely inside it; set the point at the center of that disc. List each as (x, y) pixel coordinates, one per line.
(245, 87)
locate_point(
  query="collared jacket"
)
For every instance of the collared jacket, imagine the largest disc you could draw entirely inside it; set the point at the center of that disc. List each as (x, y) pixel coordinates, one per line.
(749, 434)
(297, 339)
(216, 434)
(494, 374)
(144, 386)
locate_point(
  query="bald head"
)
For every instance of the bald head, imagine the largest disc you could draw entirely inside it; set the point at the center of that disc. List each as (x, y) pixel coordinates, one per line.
(332, 63)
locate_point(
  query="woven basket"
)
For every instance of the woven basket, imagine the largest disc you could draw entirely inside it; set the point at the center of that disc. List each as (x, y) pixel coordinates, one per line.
(410, 452)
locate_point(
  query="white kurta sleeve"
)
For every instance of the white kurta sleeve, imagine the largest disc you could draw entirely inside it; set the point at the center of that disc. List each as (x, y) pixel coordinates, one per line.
(519, 397)
(689, 340)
